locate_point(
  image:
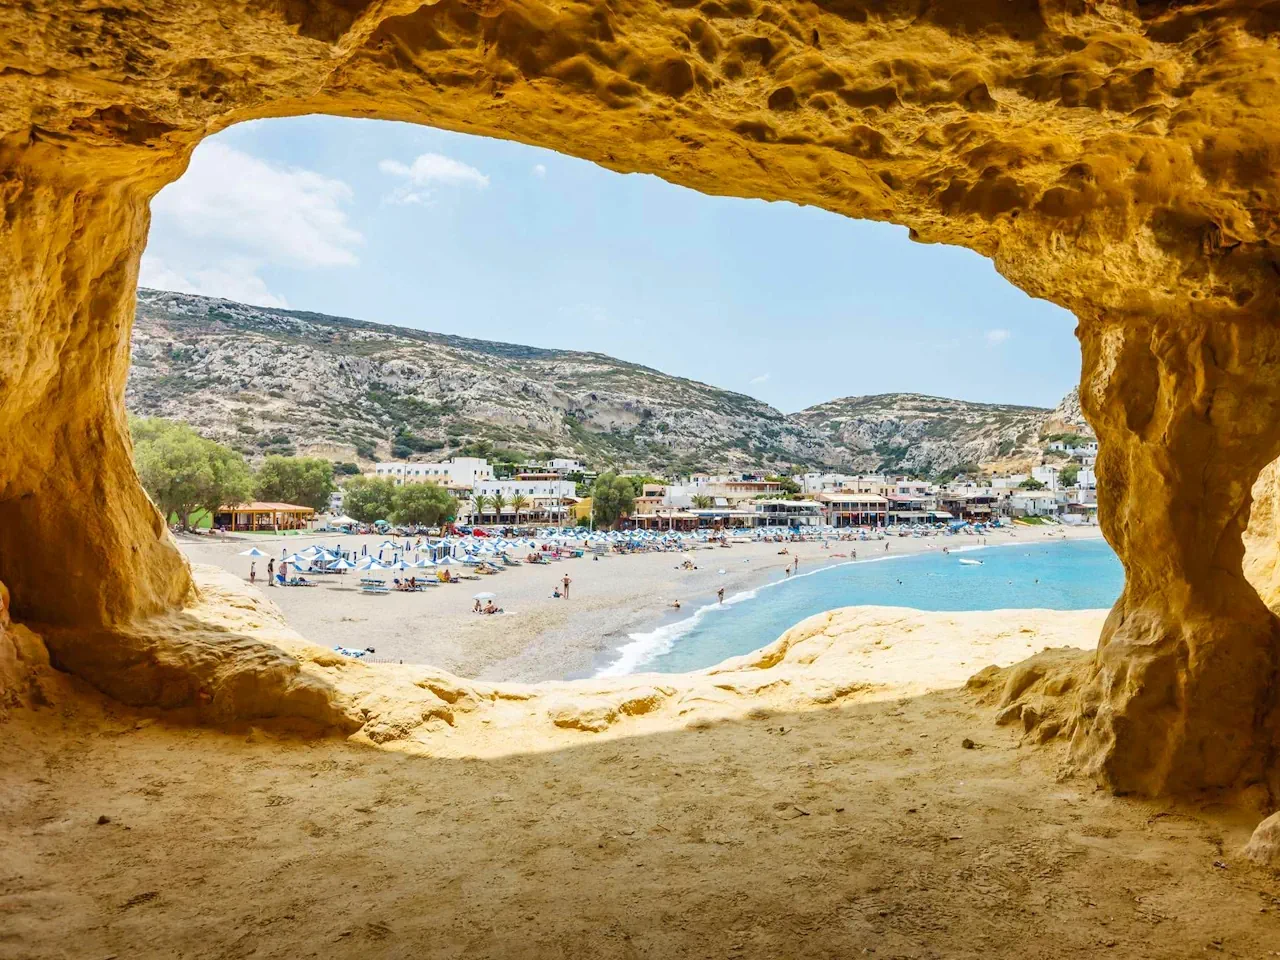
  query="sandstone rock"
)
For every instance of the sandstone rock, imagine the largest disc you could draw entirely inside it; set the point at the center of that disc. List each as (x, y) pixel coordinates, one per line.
(1264, 846)
(1108, 156)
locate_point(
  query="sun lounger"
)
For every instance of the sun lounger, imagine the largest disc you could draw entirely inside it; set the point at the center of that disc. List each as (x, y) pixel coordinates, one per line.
(373, 588)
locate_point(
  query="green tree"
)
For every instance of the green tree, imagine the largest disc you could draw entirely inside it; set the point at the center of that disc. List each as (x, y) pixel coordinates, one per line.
(307, 481)
(519, 503)
(369, 498)
(479, 503)
(701, 501)
(788, 485)
(1031, 483)
(424, 505)
(346, 469)
(183, 472)
(1069, 474)
(612, 498)
(498, 501)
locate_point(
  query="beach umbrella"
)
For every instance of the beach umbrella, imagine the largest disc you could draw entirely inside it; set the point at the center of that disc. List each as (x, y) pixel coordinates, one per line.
(485, 596)
(369, 563)
(446, 561)
(295, 559)
(252, 552)
(341, 565)
(425, 562)
(401, 565)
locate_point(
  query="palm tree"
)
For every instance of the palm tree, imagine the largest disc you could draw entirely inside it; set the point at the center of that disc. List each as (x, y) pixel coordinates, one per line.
(498, 501)
(518, 503)
(701, 501)
(478, 504)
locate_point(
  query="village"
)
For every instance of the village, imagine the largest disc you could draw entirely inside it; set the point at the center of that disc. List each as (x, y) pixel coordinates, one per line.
(557, 492)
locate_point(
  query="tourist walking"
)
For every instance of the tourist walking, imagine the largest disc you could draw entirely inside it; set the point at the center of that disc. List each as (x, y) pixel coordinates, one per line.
(271, 572)
(720, 595)
(253, 570)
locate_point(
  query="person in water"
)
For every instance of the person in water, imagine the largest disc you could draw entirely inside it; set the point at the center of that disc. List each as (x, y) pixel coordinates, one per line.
(676, 604)
(720, 595)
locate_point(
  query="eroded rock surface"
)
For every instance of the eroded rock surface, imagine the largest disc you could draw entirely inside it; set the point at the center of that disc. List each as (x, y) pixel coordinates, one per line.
(1114, 157)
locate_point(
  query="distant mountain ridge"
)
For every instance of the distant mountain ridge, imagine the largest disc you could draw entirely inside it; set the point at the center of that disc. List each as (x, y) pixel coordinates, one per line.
(914, 432)
(271, 380)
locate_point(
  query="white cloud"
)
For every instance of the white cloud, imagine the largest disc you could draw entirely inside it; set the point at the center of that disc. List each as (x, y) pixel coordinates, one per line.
(284, 215)
(762, 378)
(231, 279)
(996, 337)
(430, 170)
(539, 170)
(232, 215)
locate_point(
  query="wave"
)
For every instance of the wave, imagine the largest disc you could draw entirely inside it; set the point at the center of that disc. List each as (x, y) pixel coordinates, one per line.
(643, 648)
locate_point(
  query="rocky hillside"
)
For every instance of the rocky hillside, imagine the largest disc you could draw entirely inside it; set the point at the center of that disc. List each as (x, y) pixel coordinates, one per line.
(926, 435)
(270, 380)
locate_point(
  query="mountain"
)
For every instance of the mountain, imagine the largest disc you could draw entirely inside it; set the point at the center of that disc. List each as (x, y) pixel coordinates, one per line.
(915, 433)
(282, 381)
(269, 380)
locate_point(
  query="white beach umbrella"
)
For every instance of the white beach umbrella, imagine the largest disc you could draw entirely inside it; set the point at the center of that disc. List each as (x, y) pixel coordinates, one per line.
(295, 559)
(484, 596)
(341, 565)
(252, 552)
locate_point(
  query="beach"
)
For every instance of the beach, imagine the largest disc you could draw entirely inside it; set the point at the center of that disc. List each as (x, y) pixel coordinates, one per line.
(539, 637)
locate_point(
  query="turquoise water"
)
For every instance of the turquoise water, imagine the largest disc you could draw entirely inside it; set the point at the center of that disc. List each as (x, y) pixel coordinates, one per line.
(1076, 575)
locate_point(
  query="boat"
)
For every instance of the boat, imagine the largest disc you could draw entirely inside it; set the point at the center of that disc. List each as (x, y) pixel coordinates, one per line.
(972, 563)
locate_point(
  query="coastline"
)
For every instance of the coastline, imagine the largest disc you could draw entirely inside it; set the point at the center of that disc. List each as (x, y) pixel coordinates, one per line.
(541, 638)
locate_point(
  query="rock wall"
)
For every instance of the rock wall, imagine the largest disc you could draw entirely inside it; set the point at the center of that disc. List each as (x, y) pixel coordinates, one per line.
(1115, 157)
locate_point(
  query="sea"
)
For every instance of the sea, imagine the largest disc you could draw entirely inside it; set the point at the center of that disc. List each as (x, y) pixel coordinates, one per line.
(1070, 575)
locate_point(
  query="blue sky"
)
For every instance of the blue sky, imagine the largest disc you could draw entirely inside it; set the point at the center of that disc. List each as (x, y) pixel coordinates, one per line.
(418, 227)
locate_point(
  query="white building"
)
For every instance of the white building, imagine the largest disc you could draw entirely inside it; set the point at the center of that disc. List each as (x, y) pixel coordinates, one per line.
(461, 472)
(1048, 474)
(546, 499)
(1037, 503)
(786, 513)
(563, 465)
(814, 482)
(1080, 448)
(528, 488)
(335, 502)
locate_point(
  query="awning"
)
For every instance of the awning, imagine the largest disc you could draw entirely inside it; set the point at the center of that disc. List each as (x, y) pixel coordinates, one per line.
(909, 514)
(980, 508)
(940, 514)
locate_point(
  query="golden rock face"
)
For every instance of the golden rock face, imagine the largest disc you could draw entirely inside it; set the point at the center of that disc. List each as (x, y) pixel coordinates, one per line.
(1117, 158)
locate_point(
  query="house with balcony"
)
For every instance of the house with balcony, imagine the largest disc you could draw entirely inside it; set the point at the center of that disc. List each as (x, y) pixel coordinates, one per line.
(855, 509)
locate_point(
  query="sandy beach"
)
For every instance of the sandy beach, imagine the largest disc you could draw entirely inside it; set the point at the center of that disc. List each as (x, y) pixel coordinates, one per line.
(540, 637)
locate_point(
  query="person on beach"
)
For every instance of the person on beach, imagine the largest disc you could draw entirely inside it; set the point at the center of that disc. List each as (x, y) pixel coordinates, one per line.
(720, 595)
(566, 581)
(676, 604)
(476, 608)
(555, 592)
(271, 571)
(253, 570)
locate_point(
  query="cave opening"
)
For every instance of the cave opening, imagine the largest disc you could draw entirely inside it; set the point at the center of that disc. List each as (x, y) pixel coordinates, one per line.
(1120, 181)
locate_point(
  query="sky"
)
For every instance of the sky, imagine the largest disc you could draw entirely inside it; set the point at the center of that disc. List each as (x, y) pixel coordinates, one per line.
(407, 225)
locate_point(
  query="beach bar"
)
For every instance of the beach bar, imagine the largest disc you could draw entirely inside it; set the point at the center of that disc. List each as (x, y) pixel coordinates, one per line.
(260, 515)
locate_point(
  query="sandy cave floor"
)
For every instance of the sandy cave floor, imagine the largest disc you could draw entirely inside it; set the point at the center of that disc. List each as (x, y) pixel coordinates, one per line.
(863, 829)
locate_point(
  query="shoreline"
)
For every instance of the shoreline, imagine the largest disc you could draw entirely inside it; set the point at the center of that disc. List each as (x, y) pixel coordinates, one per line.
(638, 654)
(541, 638)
